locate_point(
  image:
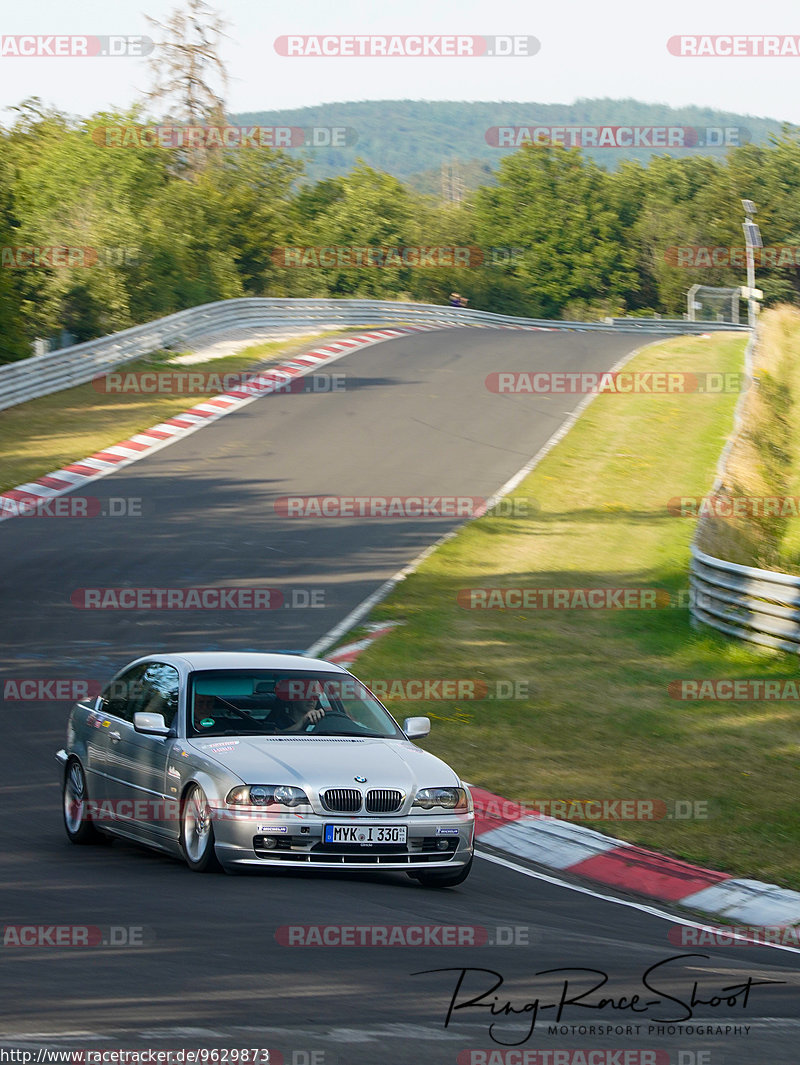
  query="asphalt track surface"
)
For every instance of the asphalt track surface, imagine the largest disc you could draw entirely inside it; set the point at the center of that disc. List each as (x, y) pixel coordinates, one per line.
(207, 967)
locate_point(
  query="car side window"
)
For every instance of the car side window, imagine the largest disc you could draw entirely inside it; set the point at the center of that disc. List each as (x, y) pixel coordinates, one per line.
(121, 695)
(158, 694)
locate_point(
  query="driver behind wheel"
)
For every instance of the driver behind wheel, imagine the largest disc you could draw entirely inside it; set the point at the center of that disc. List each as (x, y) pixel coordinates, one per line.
(296, 715)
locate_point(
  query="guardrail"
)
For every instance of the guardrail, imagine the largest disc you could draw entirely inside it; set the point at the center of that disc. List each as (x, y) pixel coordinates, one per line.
(757, 605)
(682, 325)
(41, 375)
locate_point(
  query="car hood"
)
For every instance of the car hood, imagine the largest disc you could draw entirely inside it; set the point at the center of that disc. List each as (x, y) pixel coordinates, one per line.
(325, 762)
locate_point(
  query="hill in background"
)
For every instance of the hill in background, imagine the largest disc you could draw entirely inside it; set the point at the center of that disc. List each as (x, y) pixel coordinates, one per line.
(412, 139)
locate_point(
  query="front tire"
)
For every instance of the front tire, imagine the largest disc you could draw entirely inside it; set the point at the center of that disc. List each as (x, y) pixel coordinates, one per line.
(197, 832)
(448, 878)
(75, 805)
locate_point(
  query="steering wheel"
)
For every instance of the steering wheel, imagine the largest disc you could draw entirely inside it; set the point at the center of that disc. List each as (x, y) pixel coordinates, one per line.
(335, 711)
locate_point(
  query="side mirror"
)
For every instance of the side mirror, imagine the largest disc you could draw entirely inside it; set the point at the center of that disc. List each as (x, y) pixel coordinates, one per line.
(416, 727)
(150, 724)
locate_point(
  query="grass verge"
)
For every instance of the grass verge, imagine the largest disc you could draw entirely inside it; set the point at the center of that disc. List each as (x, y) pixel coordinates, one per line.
(599, 721)
(45, 434)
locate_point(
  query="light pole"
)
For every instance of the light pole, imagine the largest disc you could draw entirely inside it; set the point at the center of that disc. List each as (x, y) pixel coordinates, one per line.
(752, 237)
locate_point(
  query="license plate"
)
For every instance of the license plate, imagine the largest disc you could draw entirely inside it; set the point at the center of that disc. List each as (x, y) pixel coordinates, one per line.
(366, 834)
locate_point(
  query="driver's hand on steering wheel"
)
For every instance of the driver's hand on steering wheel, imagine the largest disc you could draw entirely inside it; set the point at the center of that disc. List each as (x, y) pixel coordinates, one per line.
(312, 716)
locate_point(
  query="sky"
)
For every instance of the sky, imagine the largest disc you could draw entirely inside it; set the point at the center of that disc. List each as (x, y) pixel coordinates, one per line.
(588, 48)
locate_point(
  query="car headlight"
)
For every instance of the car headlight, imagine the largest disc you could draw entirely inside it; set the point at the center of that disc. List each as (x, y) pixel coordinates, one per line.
(267, 795)
(448, 798)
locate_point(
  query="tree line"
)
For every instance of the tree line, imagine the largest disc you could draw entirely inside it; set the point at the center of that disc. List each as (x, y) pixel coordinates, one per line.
(410, 138)
(99, 232)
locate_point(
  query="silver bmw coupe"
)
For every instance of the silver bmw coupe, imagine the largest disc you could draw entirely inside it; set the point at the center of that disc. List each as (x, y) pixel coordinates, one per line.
(242, 759)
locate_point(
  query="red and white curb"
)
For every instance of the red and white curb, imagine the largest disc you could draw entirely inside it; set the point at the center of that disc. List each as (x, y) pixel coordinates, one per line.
(36, 494)
(557, 844)
(581, 852)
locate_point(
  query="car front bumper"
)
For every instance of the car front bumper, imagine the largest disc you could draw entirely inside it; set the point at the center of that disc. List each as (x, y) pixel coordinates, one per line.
(294, 840)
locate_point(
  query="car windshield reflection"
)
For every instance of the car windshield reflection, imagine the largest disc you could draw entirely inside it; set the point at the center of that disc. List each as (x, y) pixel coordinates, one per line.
(282, 703)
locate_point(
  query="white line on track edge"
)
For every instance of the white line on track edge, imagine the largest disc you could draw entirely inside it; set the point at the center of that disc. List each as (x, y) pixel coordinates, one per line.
(643, 907)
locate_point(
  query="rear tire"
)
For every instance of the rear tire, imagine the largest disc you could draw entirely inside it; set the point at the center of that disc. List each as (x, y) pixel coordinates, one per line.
(76, 806)
(442, 879)
(197, 832)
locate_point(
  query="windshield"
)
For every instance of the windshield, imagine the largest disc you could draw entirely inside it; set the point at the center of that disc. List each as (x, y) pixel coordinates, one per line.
(236, 702)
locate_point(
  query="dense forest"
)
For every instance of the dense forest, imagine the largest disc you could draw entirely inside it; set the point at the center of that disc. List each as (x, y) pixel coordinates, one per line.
(411, 138)
(150, 229)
